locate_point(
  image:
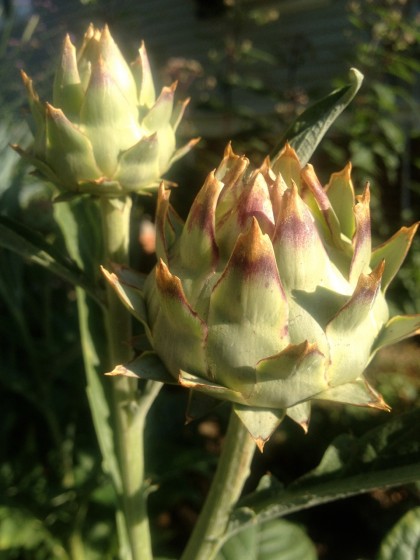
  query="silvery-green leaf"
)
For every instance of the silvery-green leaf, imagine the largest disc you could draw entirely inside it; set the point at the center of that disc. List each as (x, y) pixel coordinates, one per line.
(309, 128)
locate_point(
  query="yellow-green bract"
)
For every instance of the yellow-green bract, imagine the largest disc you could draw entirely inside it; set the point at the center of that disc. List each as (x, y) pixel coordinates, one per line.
(270, 295)
(105, 133)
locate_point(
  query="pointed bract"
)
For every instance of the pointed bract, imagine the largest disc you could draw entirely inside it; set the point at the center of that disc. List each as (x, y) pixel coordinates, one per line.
(340, 192)
(36, 106)
(186, 346)
(208, 387)
(362, 246)
(301, 255)
(68, 91)
(148, 367)
(68, 152)
(288, 166)
(143, 76)
(130, 294)
(393, 252)
(260, 423)
(138, 166)
(256, 315)
(165, 234)
(350, 347)
(198, 248)
(357, 392)
(117, 66)
(160, 114)
(328, 219)
(289, 377)
(301, 414)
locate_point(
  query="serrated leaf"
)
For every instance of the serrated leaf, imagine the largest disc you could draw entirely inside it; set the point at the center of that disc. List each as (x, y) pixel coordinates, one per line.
(386, 456)
(309, 128)
(403, 540)
(29, 244)
(80, 223)
(276, 540)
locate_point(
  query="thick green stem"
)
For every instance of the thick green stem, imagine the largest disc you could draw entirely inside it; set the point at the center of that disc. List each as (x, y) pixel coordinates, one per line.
(118, 411)
(128, 418)
(231, 474)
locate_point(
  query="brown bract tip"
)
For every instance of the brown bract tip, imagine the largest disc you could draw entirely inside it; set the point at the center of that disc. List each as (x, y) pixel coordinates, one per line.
(25, 77)
(53, 112)
(265, 166)
(67, 43)
(105, 34)
(288, 151)
(172, 87)
(253, 253)
(347, 169)
(304, 426)
(364, 198)
(121, 370)
(110, 276)
(90, 31)
(228, 153)
(377, 273)
(194, 141)
(167, 283)
(367, 286)
(260, 442)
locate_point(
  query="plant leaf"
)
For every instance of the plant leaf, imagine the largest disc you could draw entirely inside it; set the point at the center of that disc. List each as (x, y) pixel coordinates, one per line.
(386, 456)
(19, 528)
(309, 128)
(403, 540)
(80, 224)
(276, 539)
(31, 245)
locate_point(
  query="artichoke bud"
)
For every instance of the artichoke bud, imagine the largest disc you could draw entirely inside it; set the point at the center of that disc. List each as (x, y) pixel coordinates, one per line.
(270, 295)
(105, 111)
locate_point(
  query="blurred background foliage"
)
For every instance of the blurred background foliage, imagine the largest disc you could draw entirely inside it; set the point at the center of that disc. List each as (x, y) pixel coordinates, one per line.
(250, 68)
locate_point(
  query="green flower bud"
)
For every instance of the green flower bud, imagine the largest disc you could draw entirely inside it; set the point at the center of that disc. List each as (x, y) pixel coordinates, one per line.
(269, 296)
(105, 132)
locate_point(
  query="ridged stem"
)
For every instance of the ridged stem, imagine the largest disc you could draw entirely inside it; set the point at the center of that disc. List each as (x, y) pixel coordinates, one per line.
(128, 417)
(232, 472)
(97, 233)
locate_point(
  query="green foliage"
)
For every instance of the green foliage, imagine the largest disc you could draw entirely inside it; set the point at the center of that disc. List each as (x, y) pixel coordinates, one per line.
(403, 541)
(385, 456)
(31, 245)
(22, 529)
(274, 540)
(309, 128)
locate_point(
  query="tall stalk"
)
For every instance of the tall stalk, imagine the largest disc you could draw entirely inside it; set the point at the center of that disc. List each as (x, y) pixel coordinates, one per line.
(231, 474)
(128, 421)
(118, 409)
